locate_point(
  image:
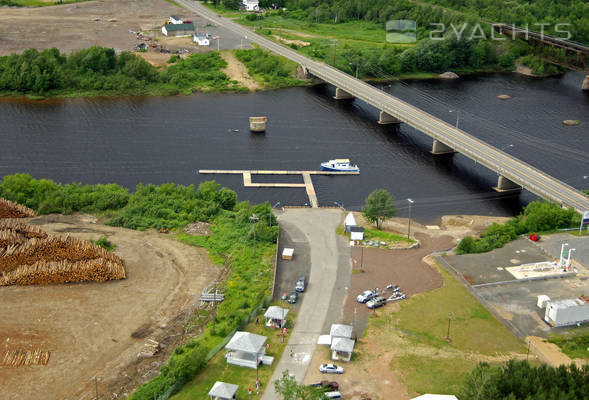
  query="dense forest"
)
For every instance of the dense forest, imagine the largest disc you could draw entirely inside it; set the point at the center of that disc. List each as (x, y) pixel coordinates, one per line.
(520, 12)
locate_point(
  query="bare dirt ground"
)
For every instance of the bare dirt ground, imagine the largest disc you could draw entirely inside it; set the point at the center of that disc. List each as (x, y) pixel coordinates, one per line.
(236, 71)
(455, 226)
(396, 267)
(80, 25)
(98, 329)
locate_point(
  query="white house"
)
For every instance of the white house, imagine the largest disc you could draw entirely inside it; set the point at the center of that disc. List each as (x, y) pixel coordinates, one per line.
(247, 350)
(201, 40)
(175, 19)
(251, 5)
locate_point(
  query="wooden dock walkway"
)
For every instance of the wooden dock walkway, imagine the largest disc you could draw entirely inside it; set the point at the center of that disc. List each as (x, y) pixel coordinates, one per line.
(308, 182)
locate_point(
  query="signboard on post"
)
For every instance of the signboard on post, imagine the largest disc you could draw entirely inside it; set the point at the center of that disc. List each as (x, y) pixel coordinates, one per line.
(584, 221)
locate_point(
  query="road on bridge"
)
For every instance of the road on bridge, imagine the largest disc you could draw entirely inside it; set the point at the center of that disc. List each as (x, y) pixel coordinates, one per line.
(503, 164)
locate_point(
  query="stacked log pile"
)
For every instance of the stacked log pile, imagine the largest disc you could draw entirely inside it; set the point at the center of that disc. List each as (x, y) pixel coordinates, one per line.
(9, 209)
(29, 256)
(18, 358)
(28, 231)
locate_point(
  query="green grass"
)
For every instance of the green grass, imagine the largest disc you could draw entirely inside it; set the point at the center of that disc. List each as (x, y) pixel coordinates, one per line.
(575, 345)
(217, 369)
(385, 236)
(269, 70)
(433, 375)
(472, 327)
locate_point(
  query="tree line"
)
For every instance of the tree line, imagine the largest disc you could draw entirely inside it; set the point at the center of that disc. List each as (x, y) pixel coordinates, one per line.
(101, 70)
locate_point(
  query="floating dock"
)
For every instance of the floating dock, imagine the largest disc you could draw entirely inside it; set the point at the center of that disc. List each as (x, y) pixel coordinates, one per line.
(308, 182)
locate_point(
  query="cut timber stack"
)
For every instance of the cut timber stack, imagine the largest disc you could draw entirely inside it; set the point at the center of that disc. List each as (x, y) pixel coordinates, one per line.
(9, 209)
(19, 227)
(44, 272)
(29, 256)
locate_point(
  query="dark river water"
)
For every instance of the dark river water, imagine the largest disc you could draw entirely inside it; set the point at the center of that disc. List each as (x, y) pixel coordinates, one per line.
(167, 139)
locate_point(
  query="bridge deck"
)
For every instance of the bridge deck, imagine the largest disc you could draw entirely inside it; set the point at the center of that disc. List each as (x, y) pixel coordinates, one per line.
(504, 164)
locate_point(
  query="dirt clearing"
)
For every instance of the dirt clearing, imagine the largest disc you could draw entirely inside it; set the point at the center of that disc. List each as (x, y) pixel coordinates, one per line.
(236, 71)
(80, 25)
(98, 329)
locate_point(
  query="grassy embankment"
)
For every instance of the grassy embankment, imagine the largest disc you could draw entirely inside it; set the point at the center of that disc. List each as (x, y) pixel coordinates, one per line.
(425, 361)
(575, 345)
(249, 273)
(98, 71)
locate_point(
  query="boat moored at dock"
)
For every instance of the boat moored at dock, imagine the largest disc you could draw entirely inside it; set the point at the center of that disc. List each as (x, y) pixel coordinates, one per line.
(339, 164)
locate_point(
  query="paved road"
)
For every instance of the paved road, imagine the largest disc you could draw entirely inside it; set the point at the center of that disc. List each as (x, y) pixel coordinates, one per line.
(315, 228)
(504, 164)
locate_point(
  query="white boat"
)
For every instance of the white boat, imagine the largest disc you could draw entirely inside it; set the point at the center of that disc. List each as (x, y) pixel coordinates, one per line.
(340, 165)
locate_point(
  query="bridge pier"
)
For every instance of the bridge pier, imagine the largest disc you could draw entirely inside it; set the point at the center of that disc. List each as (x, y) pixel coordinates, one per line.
(585, 83)
(341, 94)
(440, 148)
(505, 185)
(385, 119)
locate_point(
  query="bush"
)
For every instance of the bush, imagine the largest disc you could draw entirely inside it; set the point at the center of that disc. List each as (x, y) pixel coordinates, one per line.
(538, 216)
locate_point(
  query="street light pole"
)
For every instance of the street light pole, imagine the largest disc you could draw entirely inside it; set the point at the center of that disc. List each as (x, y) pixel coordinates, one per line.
(409, 225)
(457, 116)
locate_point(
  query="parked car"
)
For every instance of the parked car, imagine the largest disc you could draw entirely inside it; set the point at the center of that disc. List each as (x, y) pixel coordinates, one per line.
(534, 237)
(293, 297)
(326, 384)
(301, 283)
(376, 302)
(331, 369)
(332, 395)
(366, 295)
(284, 296)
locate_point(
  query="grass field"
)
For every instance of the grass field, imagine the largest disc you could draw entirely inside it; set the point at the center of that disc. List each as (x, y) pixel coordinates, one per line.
(422, 358)
(217, 368)
(575, 345)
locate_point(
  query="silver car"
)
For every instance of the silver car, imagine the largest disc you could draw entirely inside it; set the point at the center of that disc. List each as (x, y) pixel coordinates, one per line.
(378, 301)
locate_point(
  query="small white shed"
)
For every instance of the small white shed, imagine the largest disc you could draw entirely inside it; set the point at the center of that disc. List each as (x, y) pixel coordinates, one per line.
(201, 40)
(223, 391)
(276, 316)
(349, 222)
(543, 301)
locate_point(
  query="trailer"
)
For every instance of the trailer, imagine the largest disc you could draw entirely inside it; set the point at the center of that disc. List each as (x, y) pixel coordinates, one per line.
(567, 312)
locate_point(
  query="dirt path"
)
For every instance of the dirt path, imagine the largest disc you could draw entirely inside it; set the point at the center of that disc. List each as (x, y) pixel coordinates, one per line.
(98, 329)
(236, 71)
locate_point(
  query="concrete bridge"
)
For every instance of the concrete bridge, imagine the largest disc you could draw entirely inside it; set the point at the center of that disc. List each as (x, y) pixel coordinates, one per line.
(512, 174)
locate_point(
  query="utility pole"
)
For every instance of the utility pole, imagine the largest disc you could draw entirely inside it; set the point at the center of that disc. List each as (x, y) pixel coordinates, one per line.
(448, 333)
(96, 385)
(409, 225)
(254, 218)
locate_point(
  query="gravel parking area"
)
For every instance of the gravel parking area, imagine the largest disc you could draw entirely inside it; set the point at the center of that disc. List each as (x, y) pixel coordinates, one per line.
(397, 267)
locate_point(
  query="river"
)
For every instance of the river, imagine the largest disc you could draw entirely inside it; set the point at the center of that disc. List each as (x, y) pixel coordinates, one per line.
(167, 139)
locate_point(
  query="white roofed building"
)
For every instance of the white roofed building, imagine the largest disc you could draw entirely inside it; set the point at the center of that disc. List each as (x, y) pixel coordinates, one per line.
(223, 391)
(349, 222)
(247, 350)
(276, 316)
